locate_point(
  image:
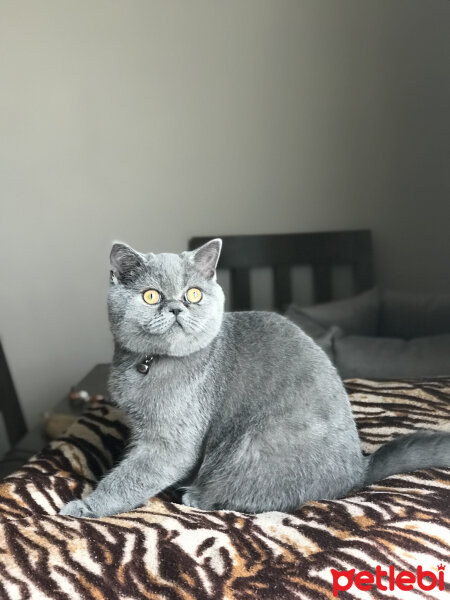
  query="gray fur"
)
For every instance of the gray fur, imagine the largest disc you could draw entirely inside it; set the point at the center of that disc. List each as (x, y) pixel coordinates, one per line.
(240, 411)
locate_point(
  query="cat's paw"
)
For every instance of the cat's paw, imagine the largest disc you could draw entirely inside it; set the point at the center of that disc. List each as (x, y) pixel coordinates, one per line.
(189, 499)
(77, 508)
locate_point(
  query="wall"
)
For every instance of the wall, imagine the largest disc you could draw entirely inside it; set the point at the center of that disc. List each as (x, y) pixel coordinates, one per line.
(152, 121)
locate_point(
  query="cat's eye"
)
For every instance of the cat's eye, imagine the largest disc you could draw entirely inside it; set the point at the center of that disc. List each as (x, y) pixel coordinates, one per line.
(193, 295)
(151, 297)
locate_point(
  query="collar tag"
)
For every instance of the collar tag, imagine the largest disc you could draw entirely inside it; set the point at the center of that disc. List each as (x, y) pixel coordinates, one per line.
(144, 366)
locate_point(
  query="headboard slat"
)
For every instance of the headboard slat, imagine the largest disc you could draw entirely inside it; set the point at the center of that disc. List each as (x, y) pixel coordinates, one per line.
(363, 267)
(240, 289)
(322, 283)
(282, 287)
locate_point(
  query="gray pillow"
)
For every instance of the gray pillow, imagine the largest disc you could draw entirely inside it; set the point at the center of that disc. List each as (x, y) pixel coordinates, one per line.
(323, 336)
(387, 358)
(407, 315)
(356, 315)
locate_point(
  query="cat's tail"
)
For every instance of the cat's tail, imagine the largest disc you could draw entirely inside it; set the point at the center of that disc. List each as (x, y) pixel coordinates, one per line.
(420, 450)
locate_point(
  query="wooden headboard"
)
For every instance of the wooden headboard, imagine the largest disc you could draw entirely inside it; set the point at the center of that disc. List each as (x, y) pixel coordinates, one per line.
(321, 251)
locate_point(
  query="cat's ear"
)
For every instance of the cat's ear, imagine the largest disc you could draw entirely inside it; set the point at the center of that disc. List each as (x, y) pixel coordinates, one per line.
(207, 256)
(126, 263)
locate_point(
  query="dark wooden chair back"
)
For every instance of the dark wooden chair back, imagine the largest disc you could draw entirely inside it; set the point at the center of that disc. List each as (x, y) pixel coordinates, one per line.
(321, 251)
(9, 403)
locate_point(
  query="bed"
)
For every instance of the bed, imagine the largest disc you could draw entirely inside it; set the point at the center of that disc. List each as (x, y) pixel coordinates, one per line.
(327, 549)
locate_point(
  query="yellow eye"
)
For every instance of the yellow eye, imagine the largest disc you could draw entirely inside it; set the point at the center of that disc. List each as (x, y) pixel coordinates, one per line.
(151, 297)
(194, 295)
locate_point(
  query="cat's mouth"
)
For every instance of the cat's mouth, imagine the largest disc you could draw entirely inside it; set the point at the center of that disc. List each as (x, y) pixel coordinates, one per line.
(162, 329)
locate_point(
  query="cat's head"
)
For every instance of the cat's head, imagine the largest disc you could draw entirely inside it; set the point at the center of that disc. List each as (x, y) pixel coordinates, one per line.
(167, 304)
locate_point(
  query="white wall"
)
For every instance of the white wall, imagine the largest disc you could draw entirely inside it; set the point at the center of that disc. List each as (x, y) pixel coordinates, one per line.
(155, 120)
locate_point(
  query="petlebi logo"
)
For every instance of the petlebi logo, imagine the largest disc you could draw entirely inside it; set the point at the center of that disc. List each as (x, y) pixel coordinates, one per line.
(389, 579)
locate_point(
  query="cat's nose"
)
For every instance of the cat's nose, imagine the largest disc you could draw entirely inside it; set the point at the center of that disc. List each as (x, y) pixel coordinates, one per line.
(175, 311)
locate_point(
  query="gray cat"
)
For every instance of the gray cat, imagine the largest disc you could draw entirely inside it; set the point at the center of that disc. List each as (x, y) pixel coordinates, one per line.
(239, 411)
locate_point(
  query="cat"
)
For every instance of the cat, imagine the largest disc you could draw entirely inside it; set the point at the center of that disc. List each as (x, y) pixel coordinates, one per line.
(239, 411)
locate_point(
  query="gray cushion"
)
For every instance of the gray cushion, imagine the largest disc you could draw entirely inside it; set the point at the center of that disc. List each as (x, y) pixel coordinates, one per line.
(380, 358)
(407, 315)
(356, 315)
(323, 336)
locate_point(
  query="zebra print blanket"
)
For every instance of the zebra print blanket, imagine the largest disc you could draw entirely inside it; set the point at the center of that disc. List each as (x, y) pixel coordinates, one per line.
(166, 550)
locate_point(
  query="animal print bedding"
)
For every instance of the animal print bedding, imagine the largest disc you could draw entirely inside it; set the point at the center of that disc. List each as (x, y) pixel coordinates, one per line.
(389, 540)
